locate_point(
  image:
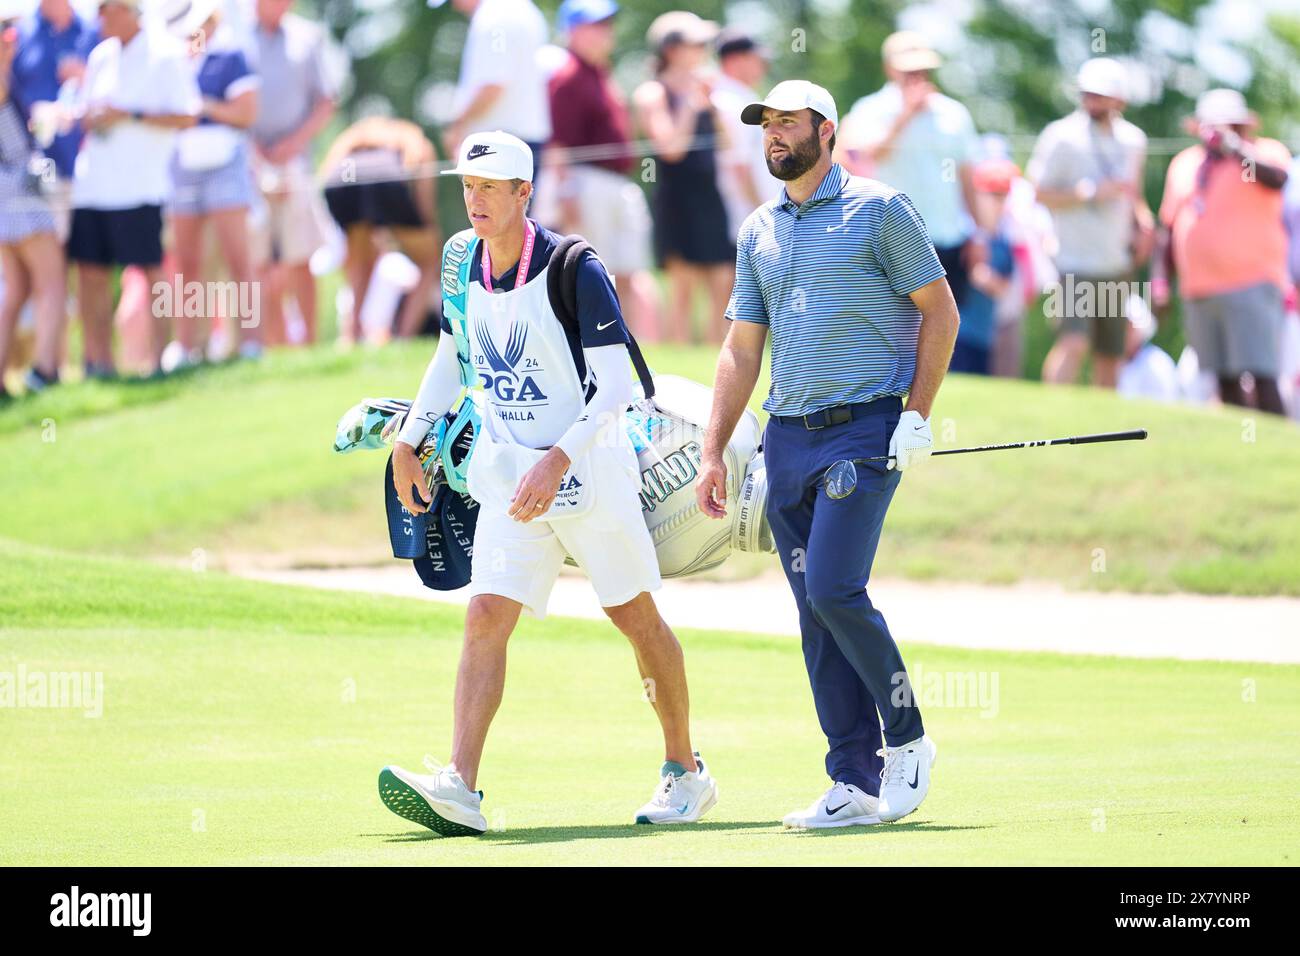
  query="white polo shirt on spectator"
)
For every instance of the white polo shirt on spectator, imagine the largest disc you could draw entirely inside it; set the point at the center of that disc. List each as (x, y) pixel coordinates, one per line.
(128, 164)
(924, 160)
(502, 48)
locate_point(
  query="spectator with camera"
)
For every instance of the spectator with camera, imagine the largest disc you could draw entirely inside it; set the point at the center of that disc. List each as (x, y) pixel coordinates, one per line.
(1224, 232)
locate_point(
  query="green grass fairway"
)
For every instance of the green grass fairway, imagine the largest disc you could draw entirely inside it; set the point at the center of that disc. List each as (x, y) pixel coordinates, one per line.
(231, 462)
(245, 723)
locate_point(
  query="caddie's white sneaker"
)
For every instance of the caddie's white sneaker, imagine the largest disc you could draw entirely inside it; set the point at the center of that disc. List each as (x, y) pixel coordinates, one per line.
(843, 805)
(438, 800)
(905, 779)
(680, 797)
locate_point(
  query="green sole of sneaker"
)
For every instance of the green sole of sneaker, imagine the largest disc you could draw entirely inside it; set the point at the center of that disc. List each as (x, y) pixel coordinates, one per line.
(399, 797)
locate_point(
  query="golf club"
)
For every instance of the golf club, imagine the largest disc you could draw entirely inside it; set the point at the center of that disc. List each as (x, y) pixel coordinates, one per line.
(842, 477)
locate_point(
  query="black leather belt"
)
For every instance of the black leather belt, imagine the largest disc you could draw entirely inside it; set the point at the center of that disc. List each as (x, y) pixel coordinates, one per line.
(842, 414)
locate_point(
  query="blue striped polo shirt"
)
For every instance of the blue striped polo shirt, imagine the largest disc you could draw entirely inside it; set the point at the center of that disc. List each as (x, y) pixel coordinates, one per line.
(831, 280)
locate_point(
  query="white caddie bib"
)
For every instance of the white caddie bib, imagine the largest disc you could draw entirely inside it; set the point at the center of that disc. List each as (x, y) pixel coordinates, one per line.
(531, 396)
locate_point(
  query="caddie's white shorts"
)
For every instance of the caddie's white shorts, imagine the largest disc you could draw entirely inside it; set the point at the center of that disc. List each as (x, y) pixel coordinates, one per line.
(610, 543)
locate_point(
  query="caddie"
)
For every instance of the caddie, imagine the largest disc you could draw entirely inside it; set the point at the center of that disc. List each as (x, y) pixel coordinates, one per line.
(840, 271)
(553, 472)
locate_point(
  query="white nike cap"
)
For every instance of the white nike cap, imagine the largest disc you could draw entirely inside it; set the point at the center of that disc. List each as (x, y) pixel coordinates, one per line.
(494, 155)
(790, 96)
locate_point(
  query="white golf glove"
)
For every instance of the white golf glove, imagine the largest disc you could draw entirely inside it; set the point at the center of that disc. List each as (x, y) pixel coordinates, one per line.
(911, 443)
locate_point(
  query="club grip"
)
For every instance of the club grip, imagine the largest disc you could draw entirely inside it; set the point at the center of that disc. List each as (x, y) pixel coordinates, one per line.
(1137, 434)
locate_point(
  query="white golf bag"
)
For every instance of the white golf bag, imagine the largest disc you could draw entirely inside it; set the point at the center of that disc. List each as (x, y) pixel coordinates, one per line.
(668, 435)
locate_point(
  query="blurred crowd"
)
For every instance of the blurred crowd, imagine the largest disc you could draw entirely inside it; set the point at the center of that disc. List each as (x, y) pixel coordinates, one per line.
(160, 181)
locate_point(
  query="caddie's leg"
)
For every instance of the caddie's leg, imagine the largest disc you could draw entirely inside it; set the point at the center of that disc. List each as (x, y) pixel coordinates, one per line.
(663, 671)
(481, 678)
(845, 709)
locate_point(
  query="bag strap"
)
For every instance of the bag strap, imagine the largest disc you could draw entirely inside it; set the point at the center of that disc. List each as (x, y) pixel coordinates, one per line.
(562, 290)
(457, 257)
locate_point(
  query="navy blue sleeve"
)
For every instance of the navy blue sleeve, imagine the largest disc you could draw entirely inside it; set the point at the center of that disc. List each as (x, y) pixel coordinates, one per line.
(600, 318)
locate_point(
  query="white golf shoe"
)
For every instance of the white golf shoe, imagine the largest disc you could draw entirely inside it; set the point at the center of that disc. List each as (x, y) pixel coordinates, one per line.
(843, 805)
(438, 800)
(680, 798)
(905, 779)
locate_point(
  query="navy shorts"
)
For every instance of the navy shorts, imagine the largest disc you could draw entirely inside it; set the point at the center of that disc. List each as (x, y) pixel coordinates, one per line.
(117, 237)
(388, 203)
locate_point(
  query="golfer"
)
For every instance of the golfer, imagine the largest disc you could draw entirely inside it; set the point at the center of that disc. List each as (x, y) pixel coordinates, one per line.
(553, 472)
(840, 270)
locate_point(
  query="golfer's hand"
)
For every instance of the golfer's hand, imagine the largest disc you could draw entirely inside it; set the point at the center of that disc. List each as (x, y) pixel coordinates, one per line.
(711, 488)
(407, 473)
(911, 443)
(538, 487)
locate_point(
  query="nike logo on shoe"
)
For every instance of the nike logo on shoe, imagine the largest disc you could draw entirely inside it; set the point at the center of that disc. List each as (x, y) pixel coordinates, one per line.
(915, 777)
(831, 813)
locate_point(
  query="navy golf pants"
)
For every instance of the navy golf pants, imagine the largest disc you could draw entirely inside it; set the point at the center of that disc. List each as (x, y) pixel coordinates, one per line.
(827, 548)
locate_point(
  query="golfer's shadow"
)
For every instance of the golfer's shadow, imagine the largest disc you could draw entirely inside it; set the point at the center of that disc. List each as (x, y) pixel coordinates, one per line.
(623, 831)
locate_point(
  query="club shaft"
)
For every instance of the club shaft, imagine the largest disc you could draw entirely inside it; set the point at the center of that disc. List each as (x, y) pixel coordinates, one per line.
(1136, 435)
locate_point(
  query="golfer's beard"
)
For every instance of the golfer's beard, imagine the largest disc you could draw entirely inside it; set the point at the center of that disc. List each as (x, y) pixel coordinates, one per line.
(800, 158)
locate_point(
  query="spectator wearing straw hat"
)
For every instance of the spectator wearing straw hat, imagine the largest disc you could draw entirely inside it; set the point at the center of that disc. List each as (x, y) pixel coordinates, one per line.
(912, 137)
(1222, 208)
(691, 235)
(591, 154)
(138, 91)
(1087, 168)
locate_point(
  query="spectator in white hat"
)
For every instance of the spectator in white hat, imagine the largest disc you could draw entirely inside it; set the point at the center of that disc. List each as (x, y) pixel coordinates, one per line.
(691, 237)
(908, 135)
(1222, 211)
(1087, 168)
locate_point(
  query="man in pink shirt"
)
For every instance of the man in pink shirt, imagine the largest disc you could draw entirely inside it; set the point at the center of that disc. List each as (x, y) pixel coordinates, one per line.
(1222, 211)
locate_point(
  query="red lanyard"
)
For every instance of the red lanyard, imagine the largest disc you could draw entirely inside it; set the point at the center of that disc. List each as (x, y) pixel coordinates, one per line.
(525, 258)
